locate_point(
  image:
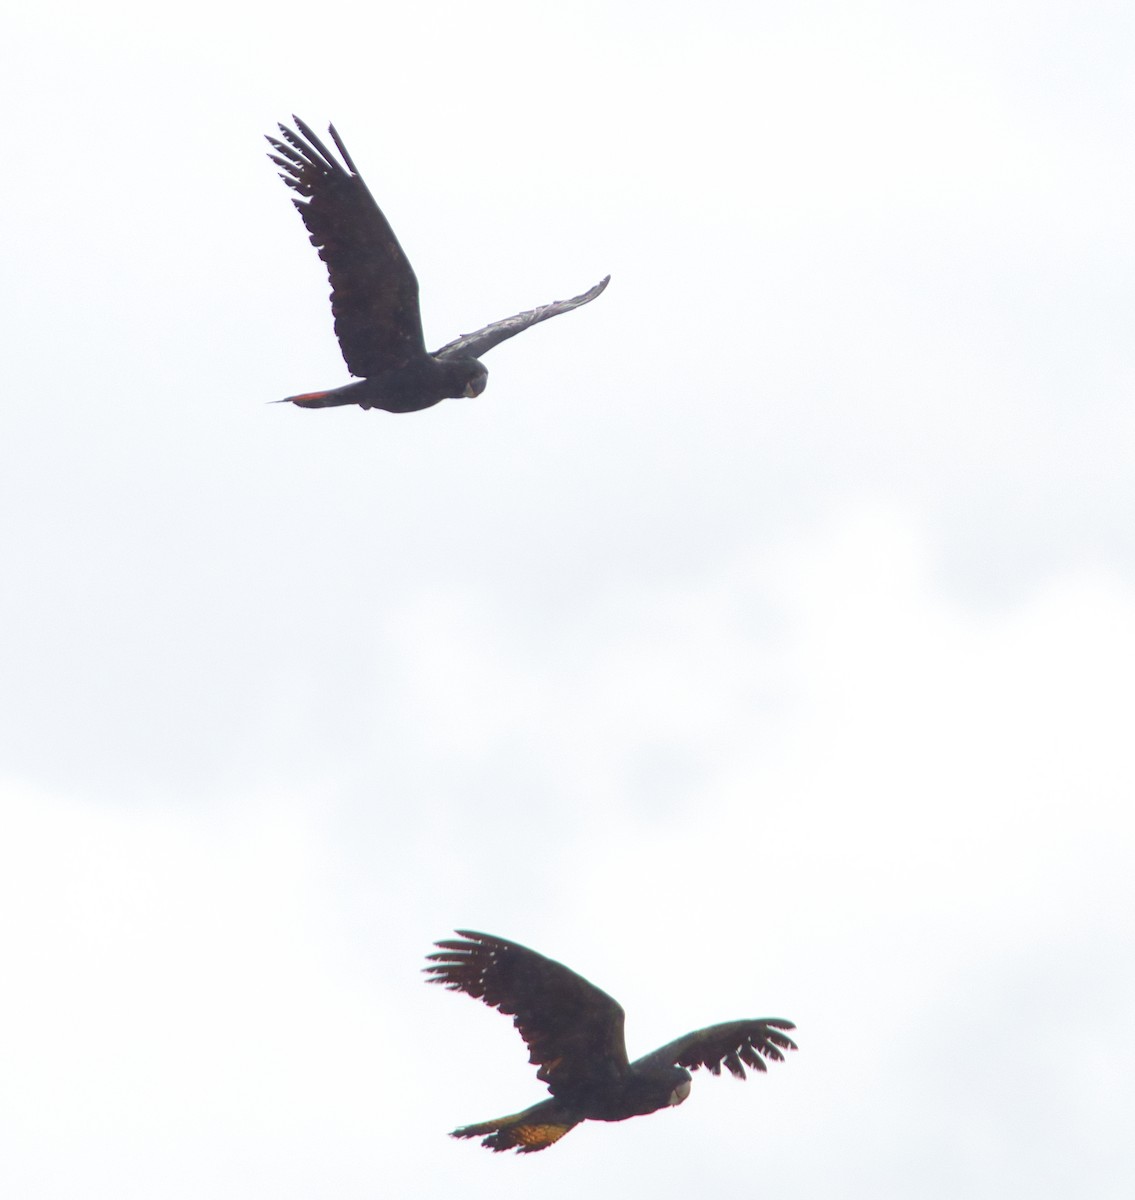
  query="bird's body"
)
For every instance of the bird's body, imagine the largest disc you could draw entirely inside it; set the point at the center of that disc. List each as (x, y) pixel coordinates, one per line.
(574, 1033)
(374, 291)
(417, 385)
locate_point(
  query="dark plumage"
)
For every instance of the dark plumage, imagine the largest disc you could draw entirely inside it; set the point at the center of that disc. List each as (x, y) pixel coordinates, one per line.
(374, 292)
(574, 1033)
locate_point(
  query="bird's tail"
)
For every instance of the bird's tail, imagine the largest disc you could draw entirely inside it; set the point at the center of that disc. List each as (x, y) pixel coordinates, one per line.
(318, 399)
(535, 1128)
(359, 392)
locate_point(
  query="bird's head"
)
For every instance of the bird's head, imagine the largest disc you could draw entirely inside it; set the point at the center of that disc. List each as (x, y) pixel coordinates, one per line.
(681, 1085)
(652, 1088)
(476, 379)
(674, 1083)
(457, 376)
(476, 383)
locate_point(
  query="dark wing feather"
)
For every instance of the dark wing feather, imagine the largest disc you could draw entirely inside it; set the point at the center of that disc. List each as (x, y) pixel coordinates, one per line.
(574, 1031)
(734, 1045)
(374, 292)
(473, 345)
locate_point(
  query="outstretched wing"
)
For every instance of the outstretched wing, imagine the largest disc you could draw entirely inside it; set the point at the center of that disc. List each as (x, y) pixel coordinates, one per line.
(729, 1045)
(574, 1031)
(374, 292)
(473, 345)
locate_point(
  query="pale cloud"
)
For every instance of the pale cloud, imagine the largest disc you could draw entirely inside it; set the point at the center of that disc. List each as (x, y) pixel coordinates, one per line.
(759, 641)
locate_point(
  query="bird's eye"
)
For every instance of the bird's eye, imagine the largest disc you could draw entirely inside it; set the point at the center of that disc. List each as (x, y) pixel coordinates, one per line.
(680, 1092)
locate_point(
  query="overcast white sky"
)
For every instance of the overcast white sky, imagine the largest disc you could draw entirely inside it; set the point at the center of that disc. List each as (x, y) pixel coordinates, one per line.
(760, 643)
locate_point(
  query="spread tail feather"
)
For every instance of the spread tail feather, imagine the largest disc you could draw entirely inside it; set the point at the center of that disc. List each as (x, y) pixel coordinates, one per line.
(535, 1128)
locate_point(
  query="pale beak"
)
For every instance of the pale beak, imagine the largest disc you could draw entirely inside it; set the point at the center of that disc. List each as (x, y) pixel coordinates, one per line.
(680, 1092)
